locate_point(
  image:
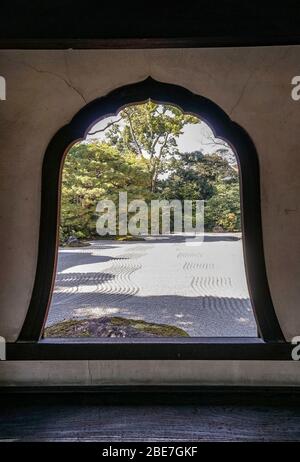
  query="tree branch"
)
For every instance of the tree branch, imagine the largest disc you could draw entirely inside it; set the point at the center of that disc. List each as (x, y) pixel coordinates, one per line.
(133, 134)
(105, 128)
(157, 162)
(154, 146)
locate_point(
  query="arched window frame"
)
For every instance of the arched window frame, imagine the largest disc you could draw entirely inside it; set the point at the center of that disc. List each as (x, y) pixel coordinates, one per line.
(270, 344)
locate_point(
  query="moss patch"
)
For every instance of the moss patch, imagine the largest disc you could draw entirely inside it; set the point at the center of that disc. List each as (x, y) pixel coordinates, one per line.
(130, 238)
(69, 328)
(112, 327)
(76, 244)
(160, 330)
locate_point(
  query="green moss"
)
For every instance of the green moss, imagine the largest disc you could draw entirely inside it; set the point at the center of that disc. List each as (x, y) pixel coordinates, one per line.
(161, 330)
(76, 244)
(83, 328)
(70, 328)
(130, 238)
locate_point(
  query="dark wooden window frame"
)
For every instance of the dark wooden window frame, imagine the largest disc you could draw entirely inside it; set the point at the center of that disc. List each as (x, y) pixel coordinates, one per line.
(270, 345)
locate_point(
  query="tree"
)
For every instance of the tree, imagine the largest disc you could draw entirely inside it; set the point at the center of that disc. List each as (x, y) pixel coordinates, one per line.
(223, 208)
(151, 131)
(139, 154)
(208, 177)
(95, 171)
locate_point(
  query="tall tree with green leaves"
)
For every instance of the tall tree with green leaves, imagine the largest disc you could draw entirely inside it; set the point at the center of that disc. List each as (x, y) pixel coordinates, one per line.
(95, 171)
(208, 177)
(151, 131)
(139, 154)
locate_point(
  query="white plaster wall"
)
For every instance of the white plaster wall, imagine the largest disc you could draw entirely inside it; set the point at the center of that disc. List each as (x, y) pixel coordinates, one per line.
(46, 88)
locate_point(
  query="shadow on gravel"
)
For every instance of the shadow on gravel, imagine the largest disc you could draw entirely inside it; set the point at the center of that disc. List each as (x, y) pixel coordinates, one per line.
(68, 259)
(203, 316)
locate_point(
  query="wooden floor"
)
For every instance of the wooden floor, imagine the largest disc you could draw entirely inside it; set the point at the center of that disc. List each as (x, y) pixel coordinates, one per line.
(112, 416)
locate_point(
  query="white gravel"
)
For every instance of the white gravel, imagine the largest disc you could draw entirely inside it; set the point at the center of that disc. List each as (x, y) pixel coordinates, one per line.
(200, 288)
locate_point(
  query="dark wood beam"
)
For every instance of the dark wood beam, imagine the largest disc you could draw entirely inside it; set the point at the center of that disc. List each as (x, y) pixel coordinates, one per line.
(150, 349)
(67, 24)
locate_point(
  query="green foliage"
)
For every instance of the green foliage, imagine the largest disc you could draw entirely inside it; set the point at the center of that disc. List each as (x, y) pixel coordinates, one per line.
(211, 178)
(95, 171)
(223, 208)
(194, 176)
(150, 131)
(140, 155)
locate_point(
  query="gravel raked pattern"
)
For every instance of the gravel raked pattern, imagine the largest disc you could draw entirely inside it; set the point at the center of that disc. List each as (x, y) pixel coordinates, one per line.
(201, 288)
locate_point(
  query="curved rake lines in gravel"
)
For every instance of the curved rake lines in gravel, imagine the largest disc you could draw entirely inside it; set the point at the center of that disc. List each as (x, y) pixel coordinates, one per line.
(226, 308)
(131, 255)
(188, 255)
(194, 266)
(214, 286)
(218, 294)
(103, 288)
(67, 286)
(121, 285)
(98, 289)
